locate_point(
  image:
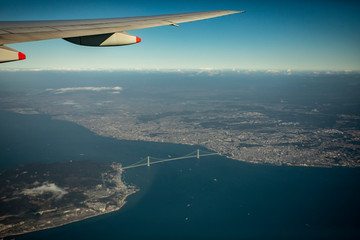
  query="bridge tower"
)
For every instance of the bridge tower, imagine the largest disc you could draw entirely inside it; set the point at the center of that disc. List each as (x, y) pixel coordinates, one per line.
(198, 154)
(148, 161)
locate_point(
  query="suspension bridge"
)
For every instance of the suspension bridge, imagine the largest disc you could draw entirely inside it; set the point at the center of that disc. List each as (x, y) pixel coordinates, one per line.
(147, 161)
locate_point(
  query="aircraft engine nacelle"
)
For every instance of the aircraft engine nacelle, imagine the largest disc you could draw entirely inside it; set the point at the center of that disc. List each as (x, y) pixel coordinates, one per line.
(105, 40)
(8, 54)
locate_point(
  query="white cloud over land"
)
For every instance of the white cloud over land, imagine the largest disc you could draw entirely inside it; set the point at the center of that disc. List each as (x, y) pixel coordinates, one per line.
(45, 188)
(91, 89)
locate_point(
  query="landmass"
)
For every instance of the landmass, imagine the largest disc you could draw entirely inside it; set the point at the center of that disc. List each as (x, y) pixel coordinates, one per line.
(305, 119)
(41, 196)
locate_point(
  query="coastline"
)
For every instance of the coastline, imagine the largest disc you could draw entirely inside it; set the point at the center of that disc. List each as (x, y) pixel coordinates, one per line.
(92, 189)
(72, 221)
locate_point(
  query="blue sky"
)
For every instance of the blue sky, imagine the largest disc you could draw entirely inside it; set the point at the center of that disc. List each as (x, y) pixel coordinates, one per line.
(297, 35)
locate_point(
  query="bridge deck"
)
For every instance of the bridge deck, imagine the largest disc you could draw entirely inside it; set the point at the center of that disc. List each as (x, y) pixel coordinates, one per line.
(148, 163)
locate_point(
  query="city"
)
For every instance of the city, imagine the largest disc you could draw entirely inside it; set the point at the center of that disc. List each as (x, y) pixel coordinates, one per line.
(292, 128)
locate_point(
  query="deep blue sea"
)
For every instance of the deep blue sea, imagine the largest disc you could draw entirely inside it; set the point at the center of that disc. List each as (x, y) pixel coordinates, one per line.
(210, 198)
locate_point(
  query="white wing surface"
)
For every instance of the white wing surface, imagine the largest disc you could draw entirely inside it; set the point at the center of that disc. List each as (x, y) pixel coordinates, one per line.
(92, 32)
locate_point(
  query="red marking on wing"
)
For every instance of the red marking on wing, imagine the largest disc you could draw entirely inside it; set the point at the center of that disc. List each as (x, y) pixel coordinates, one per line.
(21, 56)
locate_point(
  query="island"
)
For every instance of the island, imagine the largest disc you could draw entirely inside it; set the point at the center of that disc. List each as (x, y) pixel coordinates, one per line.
(41, 196)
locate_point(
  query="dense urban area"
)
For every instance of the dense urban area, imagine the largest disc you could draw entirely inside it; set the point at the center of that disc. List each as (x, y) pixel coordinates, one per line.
(281, 127)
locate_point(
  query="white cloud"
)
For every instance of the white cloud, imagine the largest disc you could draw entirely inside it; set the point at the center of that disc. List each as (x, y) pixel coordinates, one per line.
(209, 71)
(45, 188)
(92, 89)
(275, 71)
(69, 102)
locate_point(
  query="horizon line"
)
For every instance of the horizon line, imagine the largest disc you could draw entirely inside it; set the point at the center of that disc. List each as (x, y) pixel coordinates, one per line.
(180, 70)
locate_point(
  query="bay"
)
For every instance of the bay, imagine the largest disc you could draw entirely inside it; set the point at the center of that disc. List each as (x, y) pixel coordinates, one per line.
(210, 198)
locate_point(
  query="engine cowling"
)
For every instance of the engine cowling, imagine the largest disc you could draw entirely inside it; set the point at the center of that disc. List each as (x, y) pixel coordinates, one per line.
(8, 54)
(105, 40)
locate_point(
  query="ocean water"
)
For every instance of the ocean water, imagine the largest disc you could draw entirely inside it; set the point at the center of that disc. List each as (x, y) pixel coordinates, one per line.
(210, 198)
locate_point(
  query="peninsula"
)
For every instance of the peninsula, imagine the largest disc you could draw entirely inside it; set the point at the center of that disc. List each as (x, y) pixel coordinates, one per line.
(41, 196)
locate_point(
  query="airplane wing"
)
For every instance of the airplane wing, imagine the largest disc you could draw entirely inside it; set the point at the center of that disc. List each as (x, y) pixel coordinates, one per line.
(92, 32)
